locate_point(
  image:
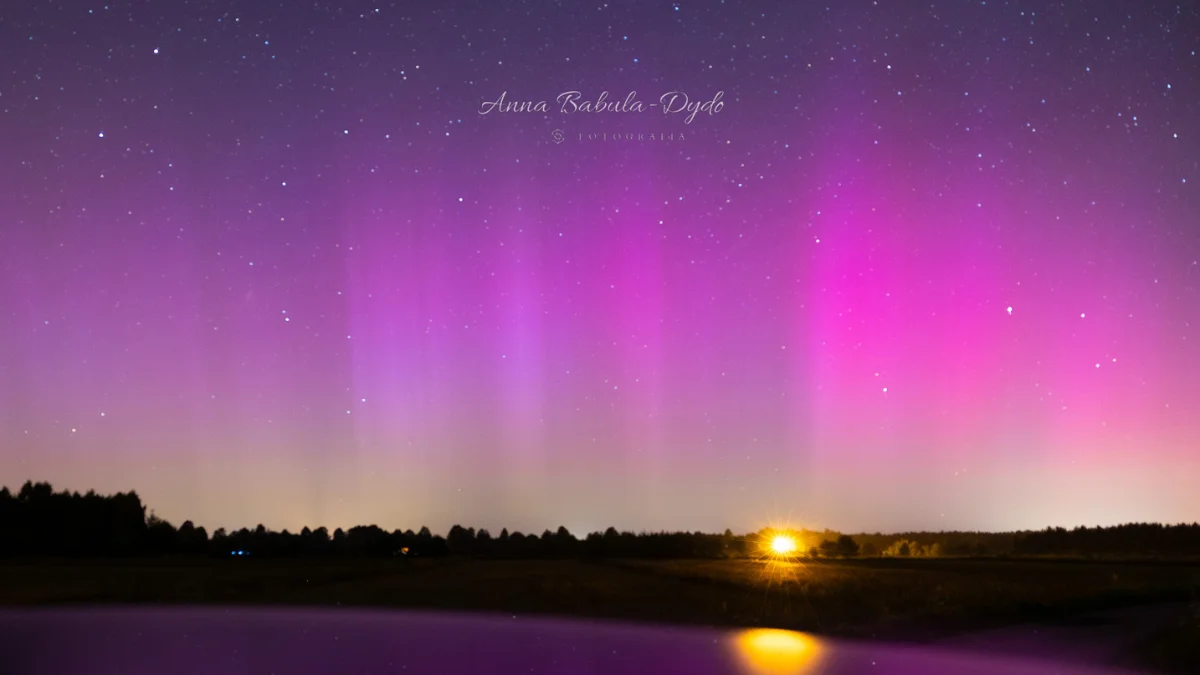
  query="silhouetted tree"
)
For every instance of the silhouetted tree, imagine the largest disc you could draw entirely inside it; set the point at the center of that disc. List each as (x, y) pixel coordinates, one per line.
(160, 535)
(846, 546)
(191, 540)
(461, 540)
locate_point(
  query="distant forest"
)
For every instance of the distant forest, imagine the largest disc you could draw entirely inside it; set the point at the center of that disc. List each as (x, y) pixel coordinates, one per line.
(37, 521)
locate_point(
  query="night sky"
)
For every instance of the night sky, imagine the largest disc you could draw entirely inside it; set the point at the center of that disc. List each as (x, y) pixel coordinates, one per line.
(930, 265)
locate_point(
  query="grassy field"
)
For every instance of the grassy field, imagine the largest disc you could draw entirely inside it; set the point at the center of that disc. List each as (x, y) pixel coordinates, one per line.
(877, 597)
(1175, 650)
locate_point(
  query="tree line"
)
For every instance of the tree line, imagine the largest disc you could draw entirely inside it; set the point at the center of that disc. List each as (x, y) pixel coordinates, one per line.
(38, 521)
(1132, 539)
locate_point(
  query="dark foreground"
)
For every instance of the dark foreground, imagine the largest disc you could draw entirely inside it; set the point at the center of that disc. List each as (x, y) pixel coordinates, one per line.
(884, 600)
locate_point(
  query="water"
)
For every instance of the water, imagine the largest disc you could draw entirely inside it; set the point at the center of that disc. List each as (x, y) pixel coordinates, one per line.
(190, 641)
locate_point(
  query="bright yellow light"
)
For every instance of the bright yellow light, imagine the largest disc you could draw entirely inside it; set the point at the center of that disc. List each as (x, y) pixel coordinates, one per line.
(782, 544)
(764, 651)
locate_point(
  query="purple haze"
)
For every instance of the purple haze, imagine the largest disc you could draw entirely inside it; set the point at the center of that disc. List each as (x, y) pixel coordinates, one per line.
(928, 268)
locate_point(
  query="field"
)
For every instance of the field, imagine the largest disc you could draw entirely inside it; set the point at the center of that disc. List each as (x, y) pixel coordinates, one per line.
(910, 599)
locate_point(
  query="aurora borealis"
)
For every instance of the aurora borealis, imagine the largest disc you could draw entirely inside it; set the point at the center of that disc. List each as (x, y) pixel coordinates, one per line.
(929, 267)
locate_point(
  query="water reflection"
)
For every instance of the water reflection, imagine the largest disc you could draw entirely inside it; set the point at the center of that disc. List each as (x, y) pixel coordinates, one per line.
(202, 641)
(766, 651)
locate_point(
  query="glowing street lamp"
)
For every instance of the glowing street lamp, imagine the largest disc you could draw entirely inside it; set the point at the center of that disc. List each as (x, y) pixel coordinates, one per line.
(782, 545)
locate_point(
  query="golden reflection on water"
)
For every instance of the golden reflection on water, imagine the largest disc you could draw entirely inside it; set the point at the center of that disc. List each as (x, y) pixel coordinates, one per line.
(768, 651)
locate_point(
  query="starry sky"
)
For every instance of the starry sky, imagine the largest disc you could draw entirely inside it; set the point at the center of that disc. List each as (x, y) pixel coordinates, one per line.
(929, 266)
